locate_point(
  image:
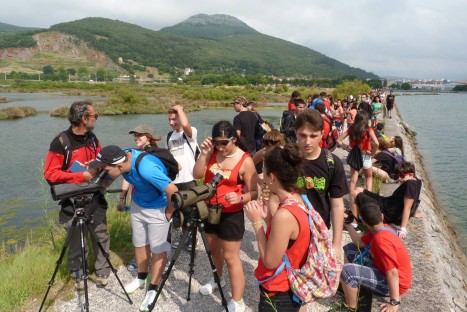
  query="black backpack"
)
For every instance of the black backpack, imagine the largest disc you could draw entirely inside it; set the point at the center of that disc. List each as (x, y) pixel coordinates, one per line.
(164, 156)
(285, 114)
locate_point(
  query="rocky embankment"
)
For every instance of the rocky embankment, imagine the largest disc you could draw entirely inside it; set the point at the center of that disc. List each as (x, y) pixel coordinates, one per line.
(439, 265)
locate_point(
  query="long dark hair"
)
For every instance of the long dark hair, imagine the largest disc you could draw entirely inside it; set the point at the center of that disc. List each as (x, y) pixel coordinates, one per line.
(224, 128)
(360, 127)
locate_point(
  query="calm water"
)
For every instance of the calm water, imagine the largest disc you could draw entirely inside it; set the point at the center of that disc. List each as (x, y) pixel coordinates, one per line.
(25, 142)
(442, 141)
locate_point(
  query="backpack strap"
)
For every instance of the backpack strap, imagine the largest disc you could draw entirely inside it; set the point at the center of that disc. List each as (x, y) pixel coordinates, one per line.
(65, 140)
(168, 138)
(66, 144)
(359, 259)
(189, 145)
(330, 161)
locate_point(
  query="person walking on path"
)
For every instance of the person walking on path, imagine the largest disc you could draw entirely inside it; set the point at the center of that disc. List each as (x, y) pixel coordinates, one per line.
(390, 102)
(362, 135)
(245, 123)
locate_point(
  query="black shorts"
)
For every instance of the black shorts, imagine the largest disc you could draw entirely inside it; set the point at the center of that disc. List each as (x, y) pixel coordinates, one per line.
(367, 196)
(231, 227)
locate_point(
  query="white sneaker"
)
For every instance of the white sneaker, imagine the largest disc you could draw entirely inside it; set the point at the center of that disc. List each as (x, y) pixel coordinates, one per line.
(210, 287)
(150, 296)
(236, 306)
(134, 285)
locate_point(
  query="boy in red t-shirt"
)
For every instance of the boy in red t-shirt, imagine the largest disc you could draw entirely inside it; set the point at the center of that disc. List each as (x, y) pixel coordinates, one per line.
(387, 271)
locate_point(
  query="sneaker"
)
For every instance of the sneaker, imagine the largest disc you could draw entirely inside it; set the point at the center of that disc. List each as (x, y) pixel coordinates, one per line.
(236, 306)
(102, 280)
(133, 266)
(210, 287)
(391, 181)
(150, 296)
(134, 285)
(357, 228)
(176, 242)
(79, 284)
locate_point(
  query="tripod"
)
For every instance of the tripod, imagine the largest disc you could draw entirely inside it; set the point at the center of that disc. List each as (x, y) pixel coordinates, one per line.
(194, 225)
(82, 220)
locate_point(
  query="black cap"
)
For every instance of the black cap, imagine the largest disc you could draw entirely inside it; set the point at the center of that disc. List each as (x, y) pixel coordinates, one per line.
(109, 155)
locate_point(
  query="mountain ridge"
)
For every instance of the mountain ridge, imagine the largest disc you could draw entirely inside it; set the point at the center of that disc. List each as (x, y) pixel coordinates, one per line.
(207, 44)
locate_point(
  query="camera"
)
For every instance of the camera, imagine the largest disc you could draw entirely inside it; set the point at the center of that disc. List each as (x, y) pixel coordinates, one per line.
(190, 203)
(67, 190)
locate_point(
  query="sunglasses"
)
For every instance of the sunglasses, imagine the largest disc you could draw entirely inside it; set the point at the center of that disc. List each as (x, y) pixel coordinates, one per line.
(221, 142)
(270, 142)
(94, 115)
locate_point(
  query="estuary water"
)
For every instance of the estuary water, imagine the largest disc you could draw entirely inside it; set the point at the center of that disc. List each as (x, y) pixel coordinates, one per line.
(442, 141)
(24, 143)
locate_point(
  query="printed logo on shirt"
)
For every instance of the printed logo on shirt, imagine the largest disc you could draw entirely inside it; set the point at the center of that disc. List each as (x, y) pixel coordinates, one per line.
(312, 183)
(215, 169)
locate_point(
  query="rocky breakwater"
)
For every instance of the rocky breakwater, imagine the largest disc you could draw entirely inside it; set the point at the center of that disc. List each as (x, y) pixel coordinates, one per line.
(439, 264)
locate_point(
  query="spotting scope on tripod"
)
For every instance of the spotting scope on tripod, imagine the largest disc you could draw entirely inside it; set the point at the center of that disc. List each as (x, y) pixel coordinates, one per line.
(81, 195)
(192, 211)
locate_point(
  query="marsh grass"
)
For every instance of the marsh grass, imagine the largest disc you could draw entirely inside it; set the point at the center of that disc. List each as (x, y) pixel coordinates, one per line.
(25, 274)
(15, 112)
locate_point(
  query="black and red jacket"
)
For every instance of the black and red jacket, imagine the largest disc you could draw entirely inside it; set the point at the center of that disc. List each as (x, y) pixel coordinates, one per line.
(83, 148)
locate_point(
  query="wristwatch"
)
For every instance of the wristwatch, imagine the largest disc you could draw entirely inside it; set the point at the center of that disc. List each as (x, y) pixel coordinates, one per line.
(394, 302)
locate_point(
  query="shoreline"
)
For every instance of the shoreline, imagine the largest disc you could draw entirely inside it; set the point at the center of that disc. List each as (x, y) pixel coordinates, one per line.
(443, 249)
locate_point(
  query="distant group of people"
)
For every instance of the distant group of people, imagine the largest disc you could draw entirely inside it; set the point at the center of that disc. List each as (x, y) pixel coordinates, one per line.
(261, 169)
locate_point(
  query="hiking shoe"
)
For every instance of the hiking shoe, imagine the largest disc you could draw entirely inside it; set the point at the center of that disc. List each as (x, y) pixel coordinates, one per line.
(210, 287)
(176, 242)
(133, 266)
(134, 285)
(79, 284)
(150, 296)
(102, 281)
(236, 306)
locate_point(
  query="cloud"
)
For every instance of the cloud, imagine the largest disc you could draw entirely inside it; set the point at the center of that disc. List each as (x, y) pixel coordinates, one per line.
(411, 38)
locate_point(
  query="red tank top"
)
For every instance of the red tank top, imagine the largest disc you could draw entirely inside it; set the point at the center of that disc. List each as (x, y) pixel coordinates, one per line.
(297, 253)
(365, 143)
(227, 185)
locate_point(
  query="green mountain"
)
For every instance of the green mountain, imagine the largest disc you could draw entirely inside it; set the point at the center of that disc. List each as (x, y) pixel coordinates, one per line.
(10, 29)
(207, 44)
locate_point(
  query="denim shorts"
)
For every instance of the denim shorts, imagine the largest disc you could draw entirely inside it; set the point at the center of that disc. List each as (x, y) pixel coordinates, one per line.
(367, 164)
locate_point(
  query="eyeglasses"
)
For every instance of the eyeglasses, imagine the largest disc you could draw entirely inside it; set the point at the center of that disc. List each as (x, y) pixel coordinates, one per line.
(222, 142)
(94, 115)
(270, 142)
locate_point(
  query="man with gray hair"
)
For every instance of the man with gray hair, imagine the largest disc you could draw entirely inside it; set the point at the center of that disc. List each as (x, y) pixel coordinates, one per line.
(69, 151)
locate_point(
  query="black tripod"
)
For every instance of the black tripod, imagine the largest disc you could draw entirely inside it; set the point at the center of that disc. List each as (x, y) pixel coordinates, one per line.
(194, 224)
(82, 220)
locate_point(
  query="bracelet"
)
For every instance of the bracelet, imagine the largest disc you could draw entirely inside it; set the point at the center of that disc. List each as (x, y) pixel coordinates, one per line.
(257, 222)
(403, 229)
(241, 199)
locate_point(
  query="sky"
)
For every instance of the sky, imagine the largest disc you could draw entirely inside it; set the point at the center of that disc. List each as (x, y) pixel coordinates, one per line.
(424, 39)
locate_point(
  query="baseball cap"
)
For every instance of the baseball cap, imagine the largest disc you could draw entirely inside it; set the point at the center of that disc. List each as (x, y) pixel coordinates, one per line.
(109, 155)
(239, 100)
(141, 129)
